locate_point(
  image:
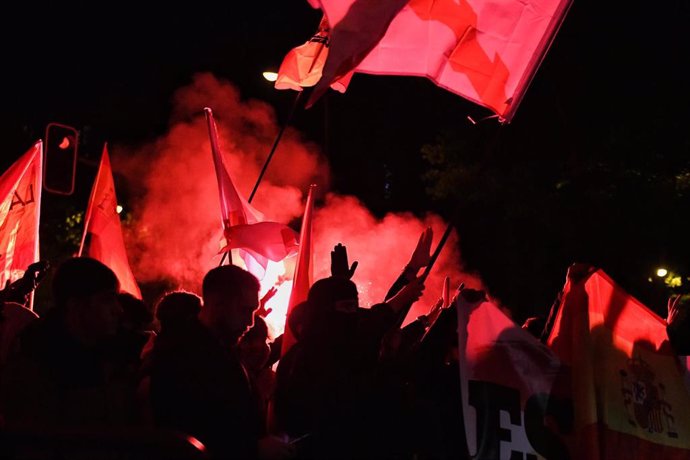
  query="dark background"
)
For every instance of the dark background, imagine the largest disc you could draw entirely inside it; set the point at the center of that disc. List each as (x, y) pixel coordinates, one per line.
(595, 166)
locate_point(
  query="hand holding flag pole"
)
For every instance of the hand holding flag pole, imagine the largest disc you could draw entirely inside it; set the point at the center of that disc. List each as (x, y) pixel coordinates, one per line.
(403, 313)
(435, 314)
(437, 251)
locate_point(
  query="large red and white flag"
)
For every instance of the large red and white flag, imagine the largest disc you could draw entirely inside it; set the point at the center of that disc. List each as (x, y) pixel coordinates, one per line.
(486, 51)
(304, 269)
(302, 66)
(510, 388)
(243, 226)
(20, 211)
(102, 239)
(626, 383)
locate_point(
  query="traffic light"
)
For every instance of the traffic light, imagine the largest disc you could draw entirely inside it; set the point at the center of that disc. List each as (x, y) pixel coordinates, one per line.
(60, 158)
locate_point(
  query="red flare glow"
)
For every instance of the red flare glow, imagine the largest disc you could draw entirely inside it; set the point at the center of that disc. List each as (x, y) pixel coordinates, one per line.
(177, 211)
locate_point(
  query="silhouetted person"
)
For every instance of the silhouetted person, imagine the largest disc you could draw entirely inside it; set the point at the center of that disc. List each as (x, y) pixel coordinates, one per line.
(325, 381)
(176, 309)
(678, 324)
(70, 370)
(20, 290)
(173, 313)
(254, 351)
(136, 315)
(198, 385)
(136, 325)
(15, 314)
(14, 318)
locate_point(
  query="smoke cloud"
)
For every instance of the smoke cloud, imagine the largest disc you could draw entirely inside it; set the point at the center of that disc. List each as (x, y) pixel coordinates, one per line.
(176, 228)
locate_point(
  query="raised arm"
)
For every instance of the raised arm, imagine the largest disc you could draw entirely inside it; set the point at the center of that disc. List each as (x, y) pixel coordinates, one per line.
(340, 267)
(419, 259)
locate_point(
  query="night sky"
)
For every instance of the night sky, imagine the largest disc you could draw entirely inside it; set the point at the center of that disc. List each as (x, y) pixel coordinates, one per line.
(594, 157)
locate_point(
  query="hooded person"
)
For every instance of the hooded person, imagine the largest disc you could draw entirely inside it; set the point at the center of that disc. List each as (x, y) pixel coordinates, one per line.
(325, 381)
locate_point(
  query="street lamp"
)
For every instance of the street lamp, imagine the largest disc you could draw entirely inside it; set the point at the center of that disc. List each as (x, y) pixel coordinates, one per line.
(661, 272)
(270, 76)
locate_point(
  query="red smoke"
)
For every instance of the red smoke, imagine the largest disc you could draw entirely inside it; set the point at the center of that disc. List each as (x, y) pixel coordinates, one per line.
(382, 248)
(176, 209)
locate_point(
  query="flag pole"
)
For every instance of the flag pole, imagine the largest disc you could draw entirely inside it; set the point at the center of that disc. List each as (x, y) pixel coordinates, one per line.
(295, 104)
(436, 253)
(403, 313)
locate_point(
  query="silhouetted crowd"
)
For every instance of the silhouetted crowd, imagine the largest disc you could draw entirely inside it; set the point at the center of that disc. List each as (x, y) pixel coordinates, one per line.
(344, 382)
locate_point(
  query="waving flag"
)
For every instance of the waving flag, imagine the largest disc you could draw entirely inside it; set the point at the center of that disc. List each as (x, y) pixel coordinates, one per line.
(626, 383)
(20, 210)
(102, 238)
(303, 270)
(302, 66)
(486, 51)
(243, 226)
(504, 370)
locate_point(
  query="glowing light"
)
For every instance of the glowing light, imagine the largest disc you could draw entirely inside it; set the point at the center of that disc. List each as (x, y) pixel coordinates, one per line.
(65, 143)
(661, 272)
(196, 443)
(270, 76)
(178, 239)
(276, 276)
(118, 209)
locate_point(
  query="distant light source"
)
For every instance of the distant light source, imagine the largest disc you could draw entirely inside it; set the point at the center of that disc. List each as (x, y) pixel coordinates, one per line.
(270, 76)
(661, 272)
(65, 144)
(118, 209)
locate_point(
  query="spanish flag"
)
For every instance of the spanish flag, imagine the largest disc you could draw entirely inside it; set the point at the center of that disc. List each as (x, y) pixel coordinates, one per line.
(627, 385)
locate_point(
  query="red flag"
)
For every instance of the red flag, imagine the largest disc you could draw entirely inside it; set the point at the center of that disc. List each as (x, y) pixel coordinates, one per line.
(271, 240)
(302, 66)
(102, 238)
(484, 51)
(20, 211)
(304, 268)
(504, 370)
(626, 383)
(242, 224)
